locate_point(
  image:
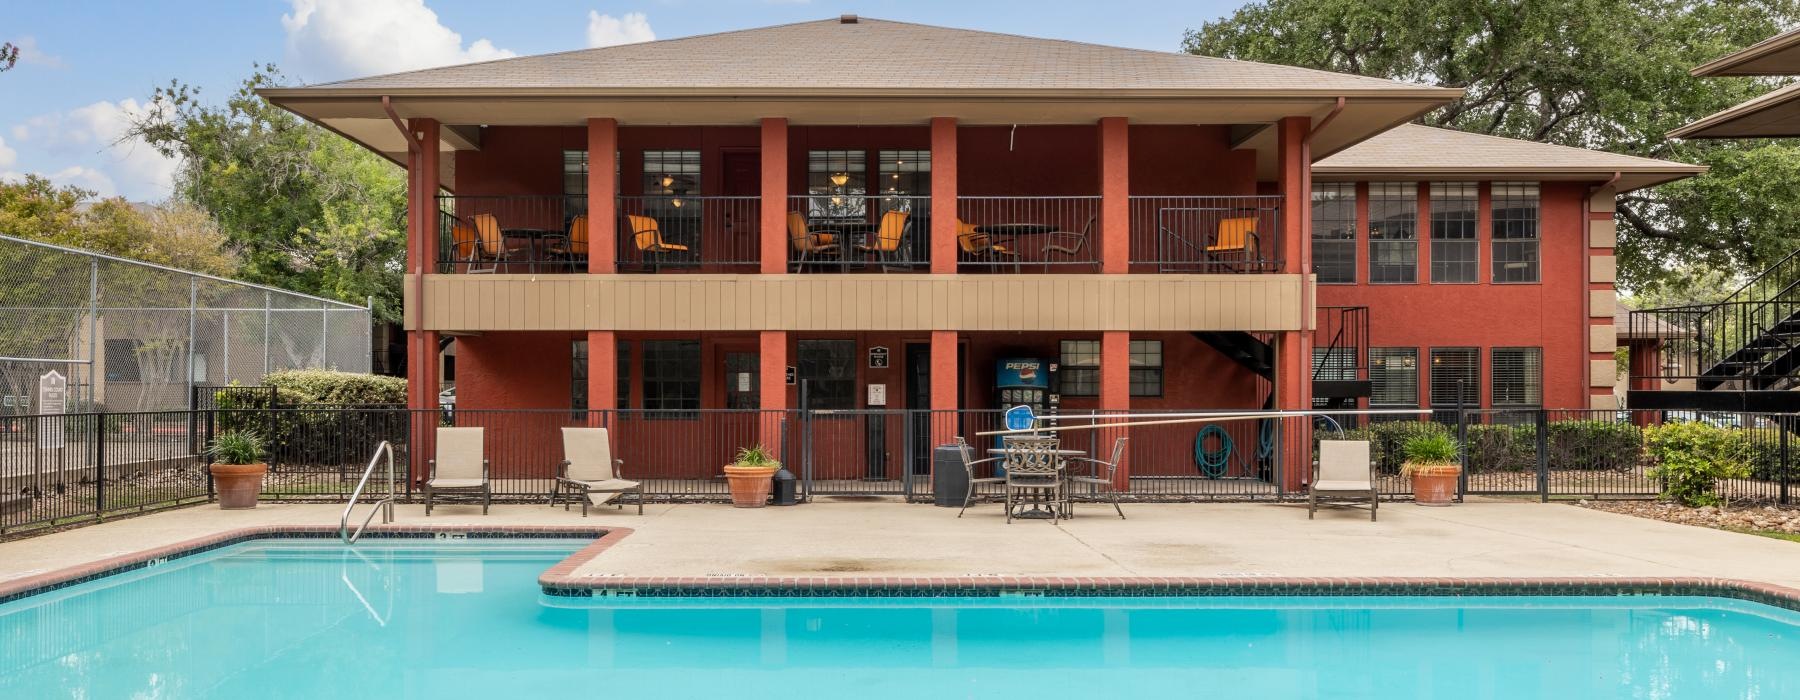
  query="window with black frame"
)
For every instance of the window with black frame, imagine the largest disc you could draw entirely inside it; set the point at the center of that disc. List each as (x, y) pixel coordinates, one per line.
(1455, 376)
(1394, 379)
(1146, 368)
(1078, 369)
(826, 370)
(671, 189)
(1515, 215)
(1393, 232)
(1518, 377)
(1333, 364)
(1334, 232)
(671, 378)
(574, 183)
(1454, 250)
(578, 377)
(623, 361)
(837, 182)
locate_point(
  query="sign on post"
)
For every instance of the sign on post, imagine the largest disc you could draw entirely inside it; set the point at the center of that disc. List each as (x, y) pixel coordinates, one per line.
(52, 398)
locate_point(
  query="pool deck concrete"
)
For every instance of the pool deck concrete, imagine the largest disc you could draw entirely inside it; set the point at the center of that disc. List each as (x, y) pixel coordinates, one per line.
(862, 538)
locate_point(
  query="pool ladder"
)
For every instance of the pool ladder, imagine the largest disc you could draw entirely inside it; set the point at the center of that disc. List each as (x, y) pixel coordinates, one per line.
(384, 506)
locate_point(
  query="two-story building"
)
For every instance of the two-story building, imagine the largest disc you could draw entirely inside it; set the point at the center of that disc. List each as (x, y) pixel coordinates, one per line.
(857, 214)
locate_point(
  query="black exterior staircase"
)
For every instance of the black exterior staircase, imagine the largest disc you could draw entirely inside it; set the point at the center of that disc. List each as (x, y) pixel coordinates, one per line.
(1741, 353)
(1342, 335)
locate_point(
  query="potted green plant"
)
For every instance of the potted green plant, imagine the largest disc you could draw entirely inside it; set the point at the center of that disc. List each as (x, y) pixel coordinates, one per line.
(1431, 461)
(751, 477)
(237, 468)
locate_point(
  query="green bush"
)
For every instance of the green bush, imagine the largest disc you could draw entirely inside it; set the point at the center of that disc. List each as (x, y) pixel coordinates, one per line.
(1502, 448)
(299, 387)
(1429, 450)
(1691, 457)
(236, 447)
(1594, 445)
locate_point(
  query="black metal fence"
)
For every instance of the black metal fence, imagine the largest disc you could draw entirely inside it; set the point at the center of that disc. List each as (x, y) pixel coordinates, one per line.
(1206, 234)
(75, 468)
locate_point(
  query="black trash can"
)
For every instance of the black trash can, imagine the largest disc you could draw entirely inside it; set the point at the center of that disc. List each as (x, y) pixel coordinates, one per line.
(949, 480)
(786, 488)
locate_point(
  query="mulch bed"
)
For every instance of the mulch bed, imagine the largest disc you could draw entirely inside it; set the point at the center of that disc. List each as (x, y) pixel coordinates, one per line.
(1766, 518)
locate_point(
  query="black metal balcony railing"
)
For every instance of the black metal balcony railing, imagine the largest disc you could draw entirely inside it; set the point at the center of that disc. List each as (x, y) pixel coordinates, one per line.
(1042, 233)
(710, 233)
(510, 234)
(1749, 341)
(844, 232)
(1207, 234)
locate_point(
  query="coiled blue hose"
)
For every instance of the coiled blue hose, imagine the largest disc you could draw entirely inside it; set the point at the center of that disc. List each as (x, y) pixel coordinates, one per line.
(1212, 463)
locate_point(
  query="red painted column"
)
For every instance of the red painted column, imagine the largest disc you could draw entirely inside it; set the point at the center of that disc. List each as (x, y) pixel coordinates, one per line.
(774, 200)
(602, 198)
(773, 358)
(1646, 369)
(943, 195)
(1115, 193)
(602, 377)
(421, 257)
(945, 375)
(1293, 349)
(1115, 397)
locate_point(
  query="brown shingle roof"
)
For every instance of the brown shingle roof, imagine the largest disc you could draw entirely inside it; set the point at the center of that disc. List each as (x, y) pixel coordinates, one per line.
(867, 54)
(1414, 150)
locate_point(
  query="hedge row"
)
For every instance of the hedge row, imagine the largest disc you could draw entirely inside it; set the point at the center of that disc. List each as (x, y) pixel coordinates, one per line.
(1573, 445)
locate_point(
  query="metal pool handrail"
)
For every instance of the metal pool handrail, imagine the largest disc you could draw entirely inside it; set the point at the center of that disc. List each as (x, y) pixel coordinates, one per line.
(385, 506)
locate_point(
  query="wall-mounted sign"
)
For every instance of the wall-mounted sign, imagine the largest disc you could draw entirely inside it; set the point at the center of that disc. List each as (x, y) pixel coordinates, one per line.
(793, 375)
(878, 357)
(877, 395)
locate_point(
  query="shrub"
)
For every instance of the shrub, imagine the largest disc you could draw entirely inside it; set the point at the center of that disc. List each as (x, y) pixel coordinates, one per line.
(1594, 445)
(1691, 458)
(1501, 448)
(299, 387)
(236, 447)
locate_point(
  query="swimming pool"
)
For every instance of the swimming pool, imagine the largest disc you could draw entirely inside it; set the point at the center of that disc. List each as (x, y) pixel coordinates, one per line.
(454, 619)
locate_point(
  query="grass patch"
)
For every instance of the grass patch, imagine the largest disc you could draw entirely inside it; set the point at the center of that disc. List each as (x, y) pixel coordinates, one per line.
(1789, 536)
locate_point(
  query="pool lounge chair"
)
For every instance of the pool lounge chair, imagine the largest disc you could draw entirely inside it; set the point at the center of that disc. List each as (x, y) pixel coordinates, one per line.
(1343, 477)
(589, 470)
(459, 468)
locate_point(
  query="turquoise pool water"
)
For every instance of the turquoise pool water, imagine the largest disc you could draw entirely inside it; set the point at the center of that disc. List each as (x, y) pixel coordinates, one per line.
(465, 619)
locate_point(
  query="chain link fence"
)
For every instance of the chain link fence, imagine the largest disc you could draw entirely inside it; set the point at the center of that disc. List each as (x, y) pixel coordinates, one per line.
(131, 336)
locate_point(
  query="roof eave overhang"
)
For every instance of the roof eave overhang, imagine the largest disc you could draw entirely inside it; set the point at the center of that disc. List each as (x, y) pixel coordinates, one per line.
(1629, 178)
(1763, 58)
(302, 94)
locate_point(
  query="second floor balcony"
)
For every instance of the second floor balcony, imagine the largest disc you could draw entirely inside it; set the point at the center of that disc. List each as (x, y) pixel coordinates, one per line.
(827, 233)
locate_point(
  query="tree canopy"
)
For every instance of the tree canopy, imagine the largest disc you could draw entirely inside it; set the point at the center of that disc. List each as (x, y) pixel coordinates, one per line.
(306, 209)
(1602, 74)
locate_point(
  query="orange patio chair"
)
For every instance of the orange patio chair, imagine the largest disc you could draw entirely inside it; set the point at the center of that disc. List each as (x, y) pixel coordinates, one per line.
(1237, 237)
(646, 235)
(572, 247)
(489, 244)
(808, 243)
(980, 247)
(889, 237)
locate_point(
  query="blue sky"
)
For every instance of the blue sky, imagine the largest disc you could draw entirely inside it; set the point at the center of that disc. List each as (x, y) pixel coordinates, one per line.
(89, 65)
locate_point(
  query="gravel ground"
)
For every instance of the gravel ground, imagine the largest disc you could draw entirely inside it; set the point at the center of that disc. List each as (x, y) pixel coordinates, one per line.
(1752, 517)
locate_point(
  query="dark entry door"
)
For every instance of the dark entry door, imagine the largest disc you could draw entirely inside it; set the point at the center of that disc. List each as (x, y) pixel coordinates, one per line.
(918, 397)
(743, 178)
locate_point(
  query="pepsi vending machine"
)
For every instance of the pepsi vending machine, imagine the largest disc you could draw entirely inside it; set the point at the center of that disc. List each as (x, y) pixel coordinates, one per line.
(1025, 381)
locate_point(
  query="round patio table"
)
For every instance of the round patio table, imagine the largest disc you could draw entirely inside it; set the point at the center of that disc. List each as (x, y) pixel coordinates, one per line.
(1015, 229)
(534, 238)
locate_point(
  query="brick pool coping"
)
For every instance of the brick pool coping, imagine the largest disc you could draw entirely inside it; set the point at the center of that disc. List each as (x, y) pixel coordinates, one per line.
(564, 580)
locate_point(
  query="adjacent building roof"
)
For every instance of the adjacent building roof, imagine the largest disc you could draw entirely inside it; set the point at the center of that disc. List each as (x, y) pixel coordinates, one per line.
(1648, 327)
(1417, 151)
(1774, 115)
(1776, 55)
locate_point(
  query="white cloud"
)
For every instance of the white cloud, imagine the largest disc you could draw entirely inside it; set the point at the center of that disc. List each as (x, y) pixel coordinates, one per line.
(95, 133)
(8, 156)
(333, 39)
(30, 54)
(607, 30)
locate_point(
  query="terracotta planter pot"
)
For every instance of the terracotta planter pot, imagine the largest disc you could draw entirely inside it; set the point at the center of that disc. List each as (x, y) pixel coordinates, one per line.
(749, 485)
(1434, 486)
(238, 484)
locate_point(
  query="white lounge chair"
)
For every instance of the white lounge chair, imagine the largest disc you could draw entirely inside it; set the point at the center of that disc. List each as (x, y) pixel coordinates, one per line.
(1344, 476)
(459, 467)
(588, 469)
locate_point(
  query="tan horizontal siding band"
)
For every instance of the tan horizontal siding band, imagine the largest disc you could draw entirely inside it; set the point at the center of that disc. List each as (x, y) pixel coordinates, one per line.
(859, 302)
